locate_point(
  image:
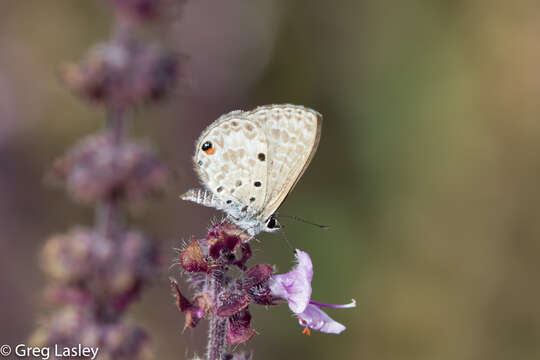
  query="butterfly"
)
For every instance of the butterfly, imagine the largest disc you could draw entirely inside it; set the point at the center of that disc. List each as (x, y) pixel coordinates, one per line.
(250, 161)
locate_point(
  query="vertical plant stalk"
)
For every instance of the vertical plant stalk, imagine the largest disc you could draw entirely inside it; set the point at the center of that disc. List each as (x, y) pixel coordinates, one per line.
(107, 210)
(216, 329)
(220, 296)
(116, 123)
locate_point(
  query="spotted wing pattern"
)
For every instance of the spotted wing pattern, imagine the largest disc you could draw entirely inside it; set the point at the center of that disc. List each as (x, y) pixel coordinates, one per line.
(233, 171)
(292, 134)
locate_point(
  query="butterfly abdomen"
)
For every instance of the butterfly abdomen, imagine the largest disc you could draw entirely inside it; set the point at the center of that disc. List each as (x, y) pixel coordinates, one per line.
(203, 197)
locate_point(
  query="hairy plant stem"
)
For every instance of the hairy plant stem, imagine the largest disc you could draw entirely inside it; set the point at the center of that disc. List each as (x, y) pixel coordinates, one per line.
(216, 329)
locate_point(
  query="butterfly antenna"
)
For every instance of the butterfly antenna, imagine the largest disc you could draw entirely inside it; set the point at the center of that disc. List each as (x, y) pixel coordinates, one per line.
(324, 227)
(287, 240)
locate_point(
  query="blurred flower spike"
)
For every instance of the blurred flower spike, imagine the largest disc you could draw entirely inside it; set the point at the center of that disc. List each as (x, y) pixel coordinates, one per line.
(121, 74)
(82, 260)
(295, 288)
(96, 272)
(97, 169)
(147, 10)
(114, 340)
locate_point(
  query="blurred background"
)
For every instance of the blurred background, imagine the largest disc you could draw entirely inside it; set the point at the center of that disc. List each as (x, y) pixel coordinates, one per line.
(427, 172)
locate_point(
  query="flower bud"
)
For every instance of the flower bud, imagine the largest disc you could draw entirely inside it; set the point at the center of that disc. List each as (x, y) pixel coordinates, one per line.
(192, 258)
(194, 312)
(232, 304)
(238, 328)
(225, 238)
(256, 285)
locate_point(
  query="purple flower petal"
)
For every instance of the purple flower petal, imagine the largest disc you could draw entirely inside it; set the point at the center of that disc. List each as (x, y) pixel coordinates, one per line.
(335, 306)
(295, 286)
(316, 319)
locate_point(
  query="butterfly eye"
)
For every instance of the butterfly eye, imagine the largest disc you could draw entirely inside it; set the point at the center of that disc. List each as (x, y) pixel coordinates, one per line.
(272, 223)
(208, 148)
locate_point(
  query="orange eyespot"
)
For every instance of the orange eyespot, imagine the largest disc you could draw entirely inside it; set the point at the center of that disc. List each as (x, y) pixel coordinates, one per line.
(306, 331)
(208, 148)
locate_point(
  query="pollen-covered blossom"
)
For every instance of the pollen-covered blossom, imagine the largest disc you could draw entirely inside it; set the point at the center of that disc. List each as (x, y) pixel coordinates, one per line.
(295, 288)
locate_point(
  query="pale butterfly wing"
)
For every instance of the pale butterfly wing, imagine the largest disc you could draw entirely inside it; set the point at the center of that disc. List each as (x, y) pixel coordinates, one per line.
(292, 135)
(250, 161)
(232, 169)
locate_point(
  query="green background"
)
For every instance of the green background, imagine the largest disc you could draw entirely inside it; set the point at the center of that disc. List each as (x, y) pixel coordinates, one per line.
(427, 172)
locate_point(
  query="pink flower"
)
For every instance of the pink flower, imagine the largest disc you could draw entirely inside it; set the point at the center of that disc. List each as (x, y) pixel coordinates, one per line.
(295, 288)
(313, 317)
